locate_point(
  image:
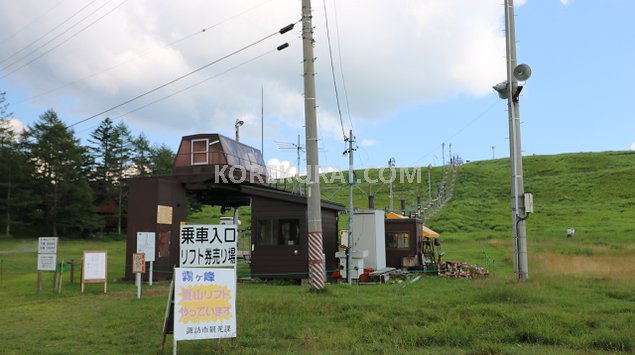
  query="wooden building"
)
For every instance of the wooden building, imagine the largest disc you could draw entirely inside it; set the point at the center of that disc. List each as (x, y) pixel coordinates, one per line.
(409, 244)
(218, 171)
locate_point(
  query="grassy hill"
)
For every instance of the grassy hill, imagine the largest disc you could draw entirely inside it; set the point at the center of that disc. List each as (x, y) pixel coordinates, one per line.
(580, 296)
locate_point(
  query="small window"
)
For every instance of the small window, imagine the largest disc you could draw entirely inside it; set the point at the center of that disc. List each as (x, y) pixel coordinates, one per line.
(200, 151)
(398, 240)
(278, 232)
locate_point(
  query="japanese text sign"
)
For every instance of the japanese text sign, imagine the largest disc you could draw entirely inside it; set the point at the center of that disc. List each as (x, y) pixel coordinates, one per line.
(138, 263)
(47, 245)
(46, 262)
(204, 303)
(145, 244)
(208, 245)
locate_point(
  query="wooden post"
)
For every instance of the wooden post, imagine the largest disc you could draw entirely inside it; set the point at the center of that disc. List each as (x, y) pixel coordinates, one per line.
(39, 281)
(72, 276)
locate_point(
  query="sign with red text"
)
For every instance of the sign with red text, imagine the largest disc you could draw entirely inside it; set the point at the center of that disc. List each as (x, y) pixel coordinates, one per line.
(208, 245)
(204, 303)
(138, 263)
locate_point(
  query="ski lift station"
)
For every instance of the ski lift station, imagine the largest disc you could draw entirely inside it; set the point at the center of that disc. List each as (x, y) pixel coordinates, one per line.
(215, 170)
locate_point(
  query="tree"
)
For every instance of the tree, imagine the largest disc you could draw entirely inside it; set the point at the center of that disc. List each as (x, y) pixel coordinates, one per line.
(141, 155)
(58, 159)
(162, 160)
(111, 146)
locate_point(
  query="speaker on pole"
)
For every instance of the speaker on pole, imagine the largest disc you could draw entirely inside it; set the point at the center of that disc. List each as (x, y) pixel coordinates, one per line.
(522, 72)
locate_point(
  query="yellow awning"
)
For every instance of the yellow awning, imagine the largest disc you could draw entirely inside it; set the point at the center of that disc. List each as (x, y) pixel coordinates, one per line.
(393, 215)
(429, 233)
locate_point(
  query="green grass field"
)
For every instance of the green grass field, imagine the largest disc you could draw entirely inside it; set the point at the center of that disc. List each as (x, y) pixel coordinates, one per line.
(580, 298)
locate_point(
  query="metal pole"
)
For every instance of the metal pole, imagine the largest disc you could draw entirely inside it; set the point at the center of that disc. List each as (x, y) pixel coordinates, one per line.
(391, 164)
(443, 152)
(515, 152)
(262, 122)
(351, 181)
(493, 152)
(429, 184)
(317, 274)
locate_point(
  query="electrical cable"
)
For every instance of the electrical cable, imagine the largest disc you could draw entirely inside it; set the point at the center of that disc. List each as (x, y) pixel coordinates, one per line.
(55, 37)
(479, 116)
(150, 51)
(337, 98)
(49, 32)
(19, 30)
(64, 41)
(282, 31)
(196, 84)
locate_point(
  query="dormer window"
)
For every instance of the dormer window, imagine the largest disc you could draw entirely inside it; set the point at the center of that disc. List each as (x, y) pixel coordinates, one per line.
(200, 152)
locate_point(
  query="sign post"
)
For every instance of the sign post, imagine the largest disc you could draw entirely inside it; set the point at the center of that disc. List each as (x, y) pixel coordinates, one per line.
(95, 268)
(138, 268)
(146, 245)
(204, 294)
(46, 258)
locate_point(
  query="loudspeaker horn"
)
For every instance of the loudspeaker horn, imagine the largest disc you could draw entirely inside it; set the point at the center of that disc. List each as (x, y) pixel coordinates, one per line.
(522, 72)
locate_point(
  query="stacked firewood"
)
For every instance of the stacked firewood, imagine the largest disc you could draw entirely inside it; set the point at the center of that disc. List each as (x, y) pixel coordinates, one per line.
(461, 270)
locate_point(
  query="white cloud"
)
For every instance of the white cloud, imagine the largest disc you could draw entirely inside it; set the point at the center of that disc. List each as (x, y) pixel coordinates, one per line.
(633, 146)
(392, 56)
(368, 143)
(279, 169)
(565, 2)
(16, 125)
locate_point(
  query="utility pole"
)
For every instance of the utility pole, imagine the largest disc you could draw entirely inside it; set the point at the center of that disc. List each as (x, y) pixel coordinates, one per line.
(443, 152)
(317, 272)
(262, 123)
(429, 183)
(351, 181)
(391, 166)
(493, 152)
(515, 152)
(450, 153)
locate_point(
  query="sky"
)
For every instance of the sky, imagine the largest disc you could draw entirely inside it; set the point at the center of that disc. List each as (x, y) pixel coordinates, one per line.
(413, 78)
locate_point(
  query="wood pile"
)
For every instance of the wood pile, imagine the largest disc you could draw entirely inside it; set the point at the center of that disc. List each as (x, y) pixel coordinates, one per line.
(461, 270)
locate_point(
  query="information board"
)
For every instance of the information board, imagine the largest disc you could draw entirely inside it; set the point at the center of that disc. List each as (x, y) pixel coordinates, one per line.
(95, 268)
(46, 262)
(208, 245)
(146, 244)
(47, 245)
(204, 303)
(138, 263)
(95, 265)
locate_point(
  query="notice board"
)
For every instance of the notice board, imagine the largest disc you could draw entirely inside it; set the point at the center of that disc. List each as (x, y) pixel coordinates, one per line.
(95, 268)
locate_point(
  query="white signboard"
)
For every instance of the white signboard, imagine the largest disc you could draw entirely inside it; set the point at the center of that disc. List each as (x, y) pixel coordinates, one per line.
(208, 245)
(95, 266)
(46, 262)
(145, 244)
(47, 245)
(204, 303)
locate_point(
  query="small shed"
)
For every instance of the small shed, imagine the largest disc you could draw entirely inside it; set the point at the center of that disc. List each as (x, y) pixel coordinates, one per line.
(410, 244)
(279, 234)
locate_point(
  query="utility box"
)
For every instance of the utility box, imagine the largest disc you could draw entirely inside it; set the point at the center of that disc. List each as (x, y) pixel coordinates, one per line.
(369, 234)
(357, 263)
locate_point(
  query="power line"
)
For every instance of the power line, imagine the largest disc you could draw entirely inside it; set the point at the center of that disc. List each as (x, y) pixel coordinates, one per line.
(196, 84)
(479, 116)
(281, 31)
(170, 44)
(66, 40)
(339, 53)
(47, 33)
(12, 35)
(337, 97)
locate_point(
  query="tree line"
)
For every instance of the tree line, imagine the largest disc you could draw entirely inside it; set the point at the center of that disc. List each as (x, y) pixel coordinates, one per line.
(52, 185)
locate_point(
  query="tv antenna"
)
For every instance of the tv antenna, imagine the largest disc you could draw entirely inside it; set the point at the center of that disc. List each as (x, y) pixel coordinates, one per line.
(286, 146)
